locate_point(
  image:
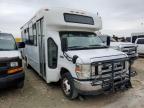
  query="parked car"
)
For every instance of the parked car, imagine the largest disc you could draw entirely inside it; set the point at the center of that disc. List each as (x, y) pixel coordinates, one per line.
(61, 44)
(129, 48)
(11, 71)
(140, 43)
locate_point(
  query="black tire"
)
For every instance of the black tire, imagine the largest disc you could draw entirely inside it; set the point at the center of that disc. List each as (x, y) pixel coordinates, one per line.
(27, 64)
(20, 85)
(72, 92)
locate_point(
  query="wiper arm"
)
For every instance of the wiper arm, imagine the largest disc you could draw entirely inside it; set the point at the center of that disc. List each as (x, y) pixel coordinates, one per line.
(2, 49)
(95, 45)
(101, 46)
(78, 47)
(75, 46)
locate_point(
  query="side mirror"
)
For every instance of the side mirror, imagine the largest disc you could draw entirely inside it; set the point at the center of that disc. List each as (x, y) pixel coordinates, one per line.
(64, 44)
(74, 59)
(108, 41)
(21, 45)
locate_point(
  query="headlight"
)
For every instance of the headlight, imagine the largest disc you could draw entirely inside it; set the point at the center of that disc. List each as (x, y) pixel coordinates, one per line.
(83, 71)
(13, 64)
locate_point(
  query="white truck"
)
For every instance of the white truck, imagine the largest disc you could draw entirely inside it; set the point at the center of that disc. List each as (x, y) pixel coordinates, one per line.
(140, 43)
(137, 38)
(134, 36)
(61, 44)
(127, 47)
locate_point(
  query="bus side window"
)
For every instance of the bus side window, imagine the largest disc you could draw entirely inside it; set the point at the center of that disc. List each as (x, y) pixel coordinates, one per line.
(52, 53)
(34, 34)
(31, 38)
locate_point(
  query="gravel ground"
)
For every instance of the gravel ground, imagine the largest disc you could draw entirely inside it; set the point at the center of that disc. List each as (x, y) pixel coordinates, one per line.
(37, 94)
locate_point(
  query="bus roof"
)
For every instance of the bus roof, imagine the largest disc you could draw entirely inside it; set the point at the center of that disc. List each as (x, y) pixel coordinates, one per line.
(55, 18)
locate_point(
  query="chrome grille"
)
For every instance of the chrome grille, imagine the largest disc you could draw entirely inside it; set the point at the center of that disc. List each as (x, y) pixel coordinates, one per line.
(129, 50)
(107, 67)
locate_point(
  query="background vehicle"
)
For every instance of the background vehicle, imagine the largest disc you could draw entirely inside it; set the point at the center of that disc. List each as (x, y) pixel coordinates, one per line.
(11, 71)
(61, 44)
(134, 36)
(129, 48)
(140, 43)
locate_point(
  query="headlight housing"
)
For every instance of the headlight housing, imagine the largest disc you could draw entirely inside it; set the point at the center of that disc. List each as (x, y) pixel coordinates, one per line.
(117, 48)
(83, 71)
(13, 64)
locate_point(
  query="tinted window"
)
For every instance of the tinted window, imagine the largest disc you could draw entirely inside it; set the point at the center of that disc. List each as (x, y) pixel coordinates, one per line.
(31, 38)
(140, 41)
(7, 42)
(128, 39)
(34, 34)
(52, 53)
(73, 18)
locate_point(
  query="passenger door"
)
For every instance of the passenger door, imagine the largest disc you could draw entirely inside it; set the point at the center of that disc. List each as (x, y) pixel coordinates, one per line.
(41, 45)
(140, 43)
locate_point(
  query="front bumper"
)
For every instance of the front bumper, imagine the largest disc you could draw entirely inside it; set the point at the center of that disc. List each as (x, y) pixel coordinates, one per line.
(92, 87)
(118, 77)
(133, 57)
(11, 79)
(86, 86)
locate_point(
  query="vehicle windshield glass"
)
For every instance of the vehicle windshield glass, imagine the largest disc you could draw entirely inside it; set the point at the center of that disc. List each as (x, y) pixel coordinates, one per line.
(81, 40)
(7, 42)
(113, 40)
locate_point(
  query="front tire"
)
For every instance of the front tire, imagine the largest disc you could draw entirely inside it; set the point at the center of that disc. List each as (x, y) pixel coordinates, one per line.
(67, 85)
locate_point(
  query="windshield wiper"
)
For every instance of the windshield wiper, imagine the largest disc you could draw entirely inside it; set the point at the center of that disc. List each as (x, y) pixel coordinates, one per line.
(77, 47)
(99, 46)
(1, 49)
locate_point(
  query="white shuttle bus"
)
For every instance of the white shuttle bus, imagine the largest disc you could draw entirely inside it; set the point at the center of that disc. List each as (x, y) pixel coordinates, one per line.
(61, 44)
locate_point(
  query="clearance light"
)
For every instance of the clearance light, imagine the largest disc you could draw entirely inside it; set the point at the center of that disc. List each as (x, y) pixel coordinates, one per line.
(15, 70)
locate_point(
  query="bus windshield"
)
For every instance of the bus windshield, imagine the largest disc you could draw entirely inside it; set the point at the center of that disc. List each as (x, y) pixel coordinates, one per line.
(7, 42)
(81, 40)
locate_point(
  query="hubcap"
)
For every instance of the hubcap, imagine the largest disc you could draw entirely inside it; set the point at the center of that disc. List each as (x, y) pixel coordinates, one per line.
(66, 86)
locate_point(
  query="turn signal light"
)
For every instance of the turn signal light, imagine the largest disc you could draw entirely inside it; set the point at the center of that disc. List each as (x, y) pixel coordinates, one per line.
(15, 70)
(77, 69)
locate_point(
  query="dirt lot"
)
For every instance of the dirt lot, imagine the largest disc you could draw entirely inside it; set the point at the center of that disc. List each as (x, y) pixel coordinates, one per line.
(37, 94)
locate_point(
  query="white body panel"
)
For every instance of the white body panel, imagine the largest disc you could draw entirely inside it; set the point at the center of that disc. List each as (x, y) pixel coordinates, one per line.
(127, 47)
(10, 54)
(140, 48)
(122, 44)
(53, 22)
(95, 55)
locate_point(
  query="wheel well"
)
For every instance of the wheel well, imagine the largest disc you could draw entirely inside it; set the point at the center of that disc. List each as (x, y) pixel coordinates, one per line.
(63, 70)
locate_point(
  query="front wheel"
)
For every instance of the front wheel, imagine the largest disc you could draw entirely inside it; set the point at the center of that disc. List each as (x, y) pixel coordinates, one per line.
(67, 85)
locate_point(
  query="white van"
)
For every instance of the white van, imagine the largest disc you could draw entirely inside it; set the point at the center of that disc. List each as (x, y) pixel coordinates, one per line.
(11, 71)
(61, 44)
(140, 43)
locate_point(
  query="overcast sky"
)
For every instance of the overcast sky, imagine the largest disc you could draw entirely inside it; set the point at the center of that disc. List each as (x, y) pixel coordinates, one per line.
(120, 17)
